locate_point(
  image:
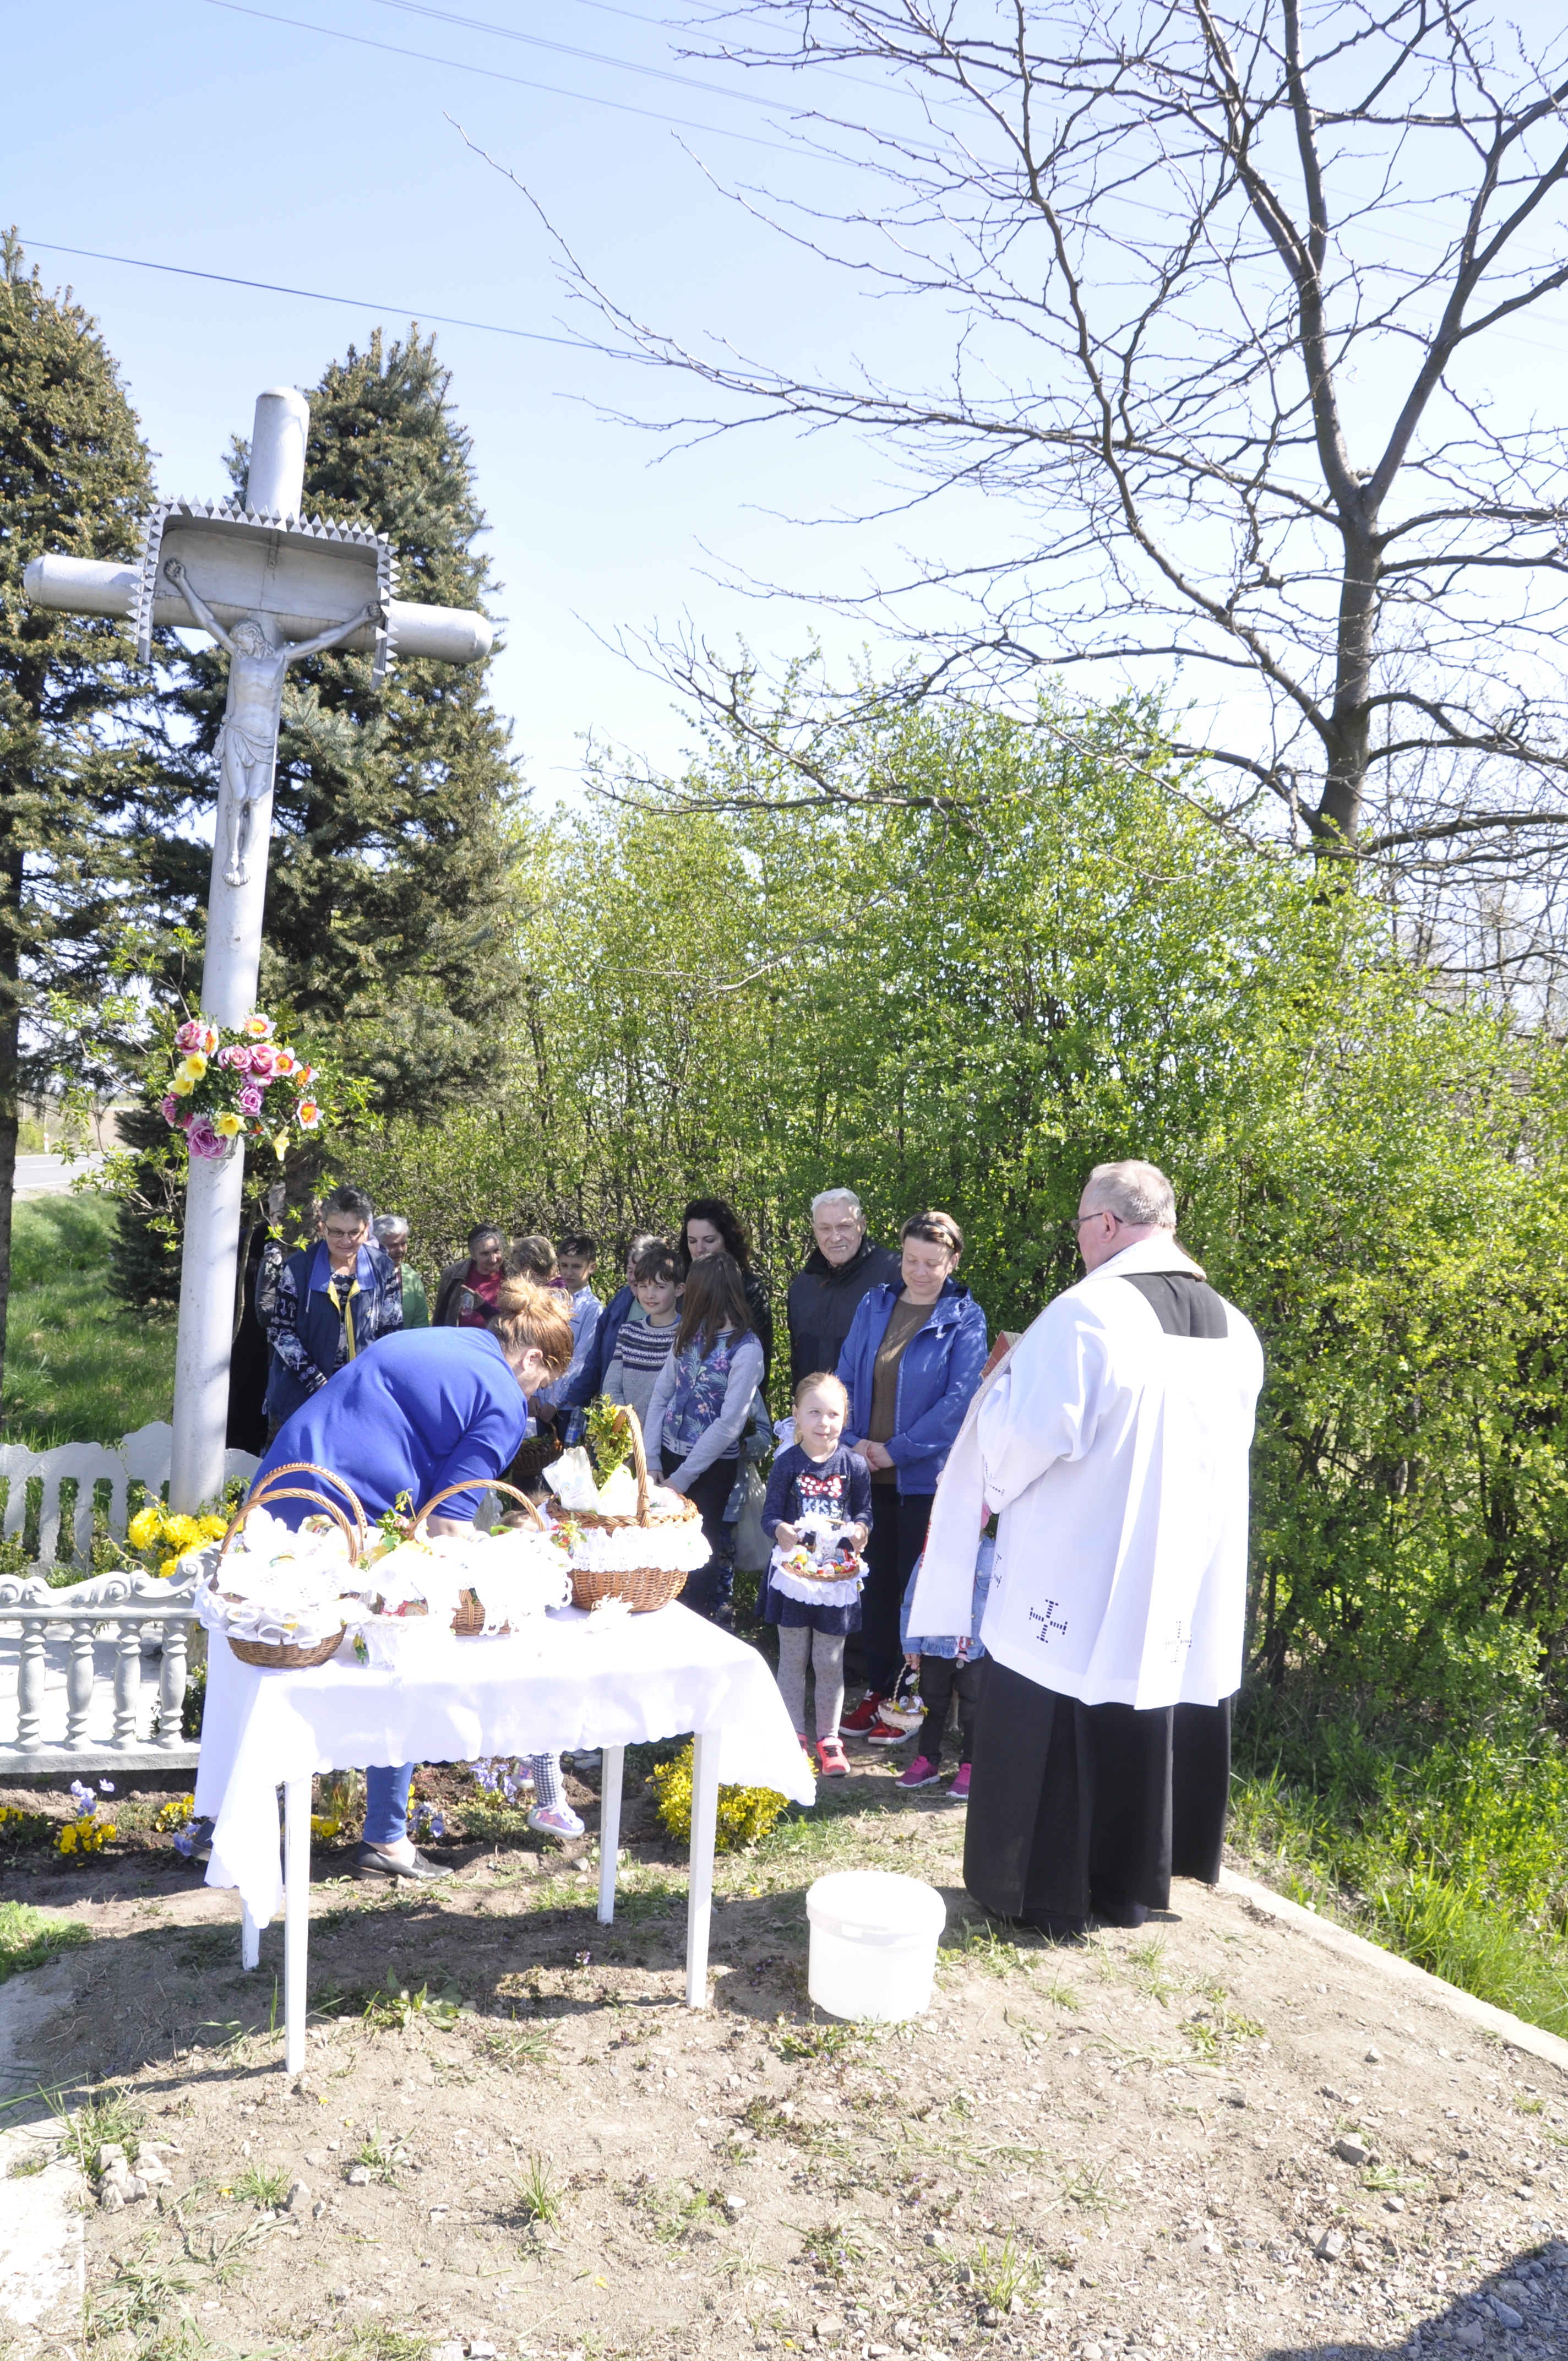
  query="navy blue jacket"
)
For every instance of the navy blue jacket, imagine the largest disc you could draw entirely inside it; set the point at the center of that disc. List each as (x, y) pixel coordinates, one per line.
(588, 1383)
(936, 1378)
(307, 1332)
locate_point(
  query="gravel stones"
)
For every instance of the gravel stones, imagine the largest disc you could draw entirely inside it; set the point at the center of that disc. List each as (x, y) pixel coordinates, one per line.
(359, 2175)
(1353, 2149)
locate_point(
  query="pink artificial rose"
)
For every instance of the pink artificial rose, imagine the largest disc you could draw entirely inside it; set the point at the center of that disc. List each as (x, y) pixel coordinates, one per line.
(203, 1140)
(250, 1100)
(192, 1035)
(170, 1110)
(236, 1057)
(264, 1060)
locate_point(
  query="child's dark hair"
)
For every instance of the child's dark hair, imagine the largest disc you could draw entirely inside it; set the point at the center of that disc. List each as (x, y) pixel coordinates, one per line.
(654, 1261)
(715, 1299)
(579, 1245)
(820, 1378)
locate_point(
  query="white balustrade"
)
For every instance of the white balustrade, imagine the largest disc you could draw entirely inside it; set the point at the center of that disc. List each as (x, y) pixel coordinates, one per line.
(97, 1668)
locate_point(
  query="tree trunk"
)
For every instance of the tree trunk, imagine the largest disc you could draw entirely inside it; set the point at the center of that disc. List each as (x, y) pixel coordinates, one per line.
(1338, 821)
(10, 1048)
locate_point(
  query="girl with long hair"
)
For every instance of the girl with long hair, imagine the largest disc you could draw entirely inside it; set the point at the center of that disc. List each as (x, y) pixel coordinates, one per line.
(699, 1406)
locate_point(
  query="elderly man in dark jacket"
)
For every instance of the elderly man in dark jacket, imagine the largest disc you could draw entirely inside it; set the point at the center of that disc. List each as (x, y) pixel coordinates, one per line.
(823, 1297)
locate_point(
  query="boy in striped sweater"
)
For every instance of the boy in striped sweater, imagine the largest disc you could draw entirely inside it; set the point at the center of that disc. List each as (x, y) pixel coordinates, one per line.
(645, 1340)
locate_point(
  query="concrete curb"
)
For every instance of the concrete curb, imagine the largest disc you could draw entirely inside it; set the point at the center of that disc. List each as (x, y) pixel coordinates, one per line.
(1548, 2047)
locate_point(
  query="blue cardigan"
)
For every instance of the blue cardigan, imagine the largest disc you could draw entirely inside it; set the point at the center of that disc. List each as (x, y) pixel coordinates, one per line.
(422, 1410)
(936, 1378)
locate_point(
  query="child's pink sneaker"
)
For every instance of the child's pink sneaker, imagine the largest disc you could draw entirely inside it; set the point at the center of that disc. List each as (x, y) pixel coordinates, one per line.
(922, 1773)
(959, 1792)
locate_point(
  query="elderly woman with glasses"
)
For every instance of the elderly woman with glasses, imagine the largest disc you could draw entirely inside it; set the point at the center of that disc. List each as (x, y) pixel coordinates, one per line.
(333, 1298)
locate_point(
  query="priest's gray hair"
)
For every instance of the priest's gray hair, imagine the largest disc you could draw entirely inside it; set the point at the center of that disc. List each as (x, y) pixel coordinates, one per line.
(1132, 1191)
(834, 1197)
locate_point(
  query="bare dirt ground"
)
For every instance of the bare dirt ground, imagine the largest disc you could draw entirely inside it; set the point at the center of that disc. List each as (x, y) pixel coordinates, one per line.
(1211, 2137)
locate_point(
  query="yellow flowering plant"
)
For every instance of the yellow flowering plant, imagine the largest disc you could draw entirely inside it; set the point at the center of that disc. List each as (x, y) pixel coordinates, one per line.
(160, 1536)
(745, 1814)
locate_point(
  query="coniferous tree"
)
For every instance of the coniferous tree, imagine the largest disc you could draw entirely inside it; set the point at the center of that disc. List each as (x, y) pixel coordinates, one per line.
(397, 827)
(88, 858)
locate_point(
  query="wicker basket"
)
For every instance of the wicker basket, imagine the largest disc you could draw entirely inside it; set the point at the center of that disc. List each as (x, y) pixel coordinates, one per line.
(283, 1655)
(468, 1622)
(645, 1588)
(534, 1456)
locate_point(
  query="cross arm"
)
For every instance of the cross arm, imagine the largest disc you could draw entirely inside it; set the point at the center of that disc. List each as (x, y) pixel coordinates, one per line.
(90, 586)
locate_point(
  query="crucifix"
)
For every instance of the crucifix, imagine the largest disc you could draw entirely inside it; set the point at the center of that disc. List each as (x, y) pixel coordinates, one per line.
(270, 586)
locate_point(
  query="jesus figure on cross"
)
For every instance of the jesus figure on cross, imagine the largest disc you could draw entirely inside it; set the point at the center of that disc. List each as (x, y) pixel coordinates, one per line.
(248, 743)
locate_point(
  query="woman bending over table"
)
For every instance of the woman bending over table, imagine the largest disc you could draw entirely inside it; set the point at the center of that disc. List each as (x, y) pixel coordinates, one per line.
(415, 1413)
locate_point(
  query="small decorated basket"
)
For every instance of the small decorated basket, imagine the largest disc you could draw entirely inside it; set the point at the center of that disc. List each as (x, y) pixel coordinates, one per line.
(632, 1547)
(468, 1621)
(291, 1655)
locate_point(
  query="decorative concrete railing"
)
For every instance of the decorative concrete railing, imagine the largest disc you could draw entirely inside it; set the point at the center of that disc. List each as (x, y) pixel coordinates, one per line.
(62, 1637)
(93, 1673)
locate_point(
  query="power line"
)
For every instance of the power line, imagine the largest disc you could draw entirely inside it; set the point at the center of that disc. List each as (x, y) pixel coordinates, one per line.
(493, 74)
(566, 50)
(308, 295)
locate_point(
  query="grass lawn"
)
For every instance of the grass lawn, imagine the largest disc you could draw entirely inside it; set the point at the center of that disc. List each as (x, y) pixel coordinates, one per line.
(79, 1367)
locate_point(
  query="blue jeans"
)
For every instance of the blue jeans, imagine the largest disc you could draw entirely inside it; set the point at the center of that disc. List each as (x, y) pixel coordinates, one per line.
(386, 1802)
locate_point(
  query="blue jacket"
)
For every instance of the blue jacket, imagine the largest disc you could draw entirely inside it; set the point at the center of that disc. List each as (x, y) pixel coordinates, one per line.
(936, 1378)
(588, 1382)
(984, 1567)
(308, 1333)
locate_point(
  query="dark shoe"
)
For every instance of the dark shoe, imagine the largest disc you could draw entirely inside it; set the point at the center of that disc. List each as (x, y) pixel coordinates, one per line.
(1114, 1909)
(1056, 1925)
(374, 1868)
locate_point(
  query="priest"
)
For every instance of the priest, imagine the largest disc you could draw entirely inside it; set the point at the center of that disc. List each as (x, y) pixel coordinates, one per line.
(1112, 1445)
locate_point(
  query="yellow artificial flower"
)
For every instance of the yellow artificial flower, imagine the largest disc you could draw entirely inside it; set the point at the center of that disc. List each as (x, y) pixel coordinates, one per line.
(226, 1124)
(144, 1527)
(181, 1086)
(194, 1067)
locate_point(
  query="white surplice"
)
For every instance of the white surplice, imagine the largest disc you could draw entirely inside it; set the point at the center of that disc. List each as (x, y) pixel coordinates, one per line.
(1117, 1457)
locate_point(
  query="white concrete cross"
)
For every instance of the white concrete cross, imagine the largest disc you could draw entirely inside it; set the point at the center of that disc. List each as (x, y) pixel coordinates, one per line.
(270, 585)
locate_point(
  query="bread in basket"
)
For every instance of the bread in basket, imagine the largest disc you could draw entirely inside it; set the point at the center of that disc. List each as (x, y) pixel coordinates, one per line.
(643, 1554)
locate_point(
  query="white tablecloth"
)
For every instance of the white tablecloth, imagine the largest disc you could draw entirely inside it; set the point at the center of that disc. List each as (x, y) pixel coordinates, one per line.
(554, 1686)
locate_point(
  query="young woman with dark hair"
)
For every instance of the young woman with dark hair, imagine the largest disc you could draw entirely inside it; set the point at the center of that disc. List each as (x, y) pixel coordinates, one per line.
(699, 1406)
(710, 1226)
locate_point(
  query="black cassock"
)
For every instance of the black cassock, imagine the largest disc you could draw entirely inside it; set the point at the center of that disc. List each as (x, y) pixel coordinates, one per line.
(1079, 1808)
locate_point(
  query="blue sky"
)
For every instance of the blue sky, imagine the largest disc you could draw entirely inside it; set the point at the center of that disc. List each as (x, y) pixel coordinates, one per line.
(185, 132)
(297, 142)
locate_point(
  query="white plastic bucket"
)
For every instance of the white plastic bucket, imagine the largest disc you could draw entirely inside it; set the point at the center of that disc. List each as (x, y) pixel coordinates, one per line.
(873, 1944)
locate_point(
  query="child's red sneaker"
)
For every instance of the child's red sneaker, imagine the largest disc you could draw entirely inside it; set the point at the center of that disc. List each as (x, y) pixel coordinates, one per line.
(834, 1761)
(856, 1724)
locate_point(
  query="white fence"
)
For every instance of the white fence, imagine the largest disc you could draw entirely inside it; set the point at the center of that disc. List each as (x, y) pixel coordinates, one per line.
(93, 1675)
